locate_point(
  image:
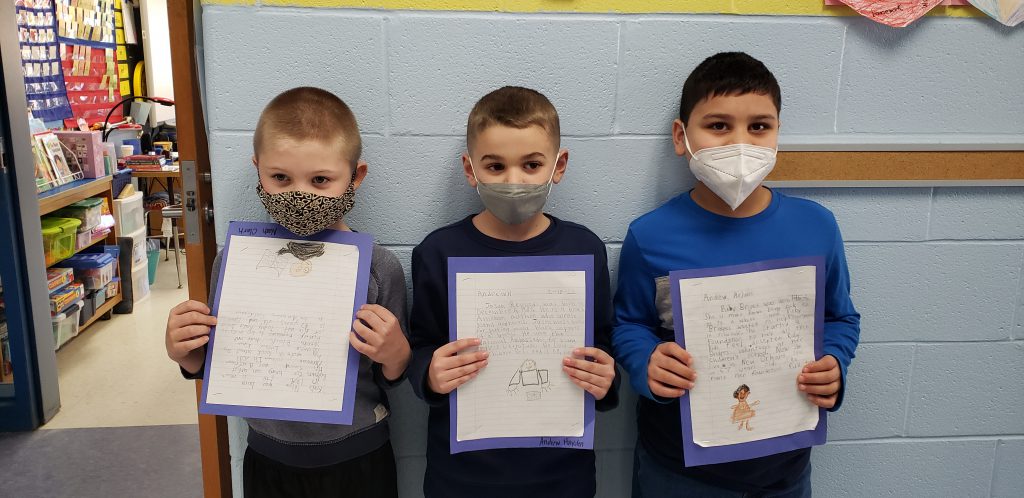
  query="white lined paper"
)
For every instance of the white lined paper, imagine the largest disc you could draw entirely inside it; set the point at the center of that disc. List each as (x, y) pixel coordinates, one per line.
(754, 329)
(282, 326)
(528, 322)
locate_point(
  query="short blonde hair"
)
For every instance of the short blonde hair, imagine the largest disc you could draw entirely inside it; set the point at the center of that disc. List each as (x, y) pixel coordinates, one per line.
(515, 107)
(308, 113)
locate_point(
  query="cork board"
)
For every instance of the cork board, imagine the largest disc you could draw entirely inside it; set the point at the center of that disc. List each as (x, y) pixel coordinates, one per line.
(892, 168)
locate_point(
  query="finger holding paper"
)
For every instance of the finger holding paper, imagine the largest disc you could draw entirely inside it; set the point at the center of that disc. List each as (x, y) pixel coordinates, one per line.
(378, 335)
(188, 330)
(592, 369)
(669, 374)
(449, 369)
(821, 381)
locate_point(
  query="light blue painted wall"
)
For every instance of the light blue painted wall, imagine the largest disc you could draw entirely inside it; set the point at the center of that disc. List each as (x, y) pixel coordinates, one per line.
(935, 403)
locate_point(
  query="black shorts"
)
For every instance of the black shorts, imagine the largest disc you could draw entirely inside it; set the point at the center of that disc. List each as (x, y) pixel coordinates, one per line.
(372, 475)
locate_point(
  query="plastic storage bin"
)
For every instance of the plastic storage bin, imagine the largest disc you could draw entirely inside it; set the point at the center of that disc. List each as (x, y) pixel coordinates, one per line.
(121, 180)
(138, 245)
(140, 282)
(100, 296)
(85, 239)
(95, 270)
(65, 325)
(87, 311)
(153, 257)
(59, 237)
(129, 213)
(88, 211)
(82, 240)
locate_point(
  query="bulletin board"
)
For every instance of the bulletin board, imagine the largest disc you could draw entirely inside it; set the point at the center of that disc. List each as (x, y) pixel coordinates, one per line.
(898, 168)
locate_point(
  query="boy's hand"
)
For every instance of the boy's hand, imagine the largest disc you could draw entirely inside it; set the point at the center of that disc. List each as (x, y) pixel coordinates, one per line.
(820, 380)
(594, 376)
(188, 331)
(669, 373)
(378, 335)
(449, 370)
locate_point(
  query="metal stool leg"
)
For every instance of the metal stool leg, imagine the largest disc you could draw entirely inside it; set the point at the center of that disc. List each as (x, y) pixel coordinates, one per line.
(177, 250)
(167, 242)
(174, 213)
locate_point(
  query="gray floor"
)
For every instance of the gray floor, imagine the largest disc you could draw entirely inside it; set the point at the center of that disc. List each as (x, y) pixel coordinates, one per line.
(153, 461)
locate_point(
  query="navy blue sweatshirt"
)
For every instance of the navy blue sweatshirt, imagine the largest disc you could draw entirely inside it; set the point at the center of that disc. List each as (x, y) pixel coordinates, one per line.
(513, 472)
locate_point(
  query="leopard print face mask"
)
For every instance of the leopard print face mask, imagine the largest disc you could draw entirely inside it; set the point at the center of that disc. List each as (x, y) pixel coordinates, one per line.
(305, 213)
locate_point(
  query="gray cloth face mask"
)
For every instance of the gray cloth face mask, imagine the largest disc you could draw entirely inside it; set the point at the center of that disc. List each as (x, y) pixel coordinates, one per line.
(514, 203)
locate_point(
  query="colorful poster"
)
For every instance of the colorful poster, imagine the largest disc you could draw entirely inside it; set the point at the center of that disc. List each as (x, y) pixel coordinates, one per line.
(1008, 12)
(897, 14)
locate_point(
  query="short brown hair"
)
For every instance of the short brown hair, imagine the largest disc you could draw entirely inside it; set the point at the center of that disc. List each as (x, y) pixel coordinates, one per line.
(515, 107)
(308, 113)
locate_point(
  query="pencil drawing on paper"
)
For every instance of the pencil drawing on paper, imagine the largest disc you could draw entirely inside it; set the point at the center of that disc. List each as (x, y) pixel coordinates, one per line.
(529, 381)
(295, 258)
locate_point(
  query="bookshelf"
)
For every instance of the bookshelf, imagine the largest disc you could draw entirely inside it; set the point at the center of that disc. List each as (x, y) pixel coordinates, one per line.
(59, 197)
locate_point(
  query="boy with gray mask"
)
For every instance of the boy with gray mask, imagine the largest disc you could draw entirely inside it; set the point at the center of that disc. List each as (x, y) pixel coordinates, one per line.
(513, 158)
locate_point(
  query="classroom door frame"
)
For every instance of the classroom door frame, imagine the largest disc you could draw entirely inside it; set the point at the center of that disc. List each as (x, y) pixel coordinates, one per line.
(197, 203)
(36, 395)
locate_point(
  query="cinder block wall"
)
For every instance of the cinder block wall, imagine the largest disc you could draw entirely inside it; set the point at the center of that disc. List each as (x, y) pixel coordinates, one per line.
(935, 403)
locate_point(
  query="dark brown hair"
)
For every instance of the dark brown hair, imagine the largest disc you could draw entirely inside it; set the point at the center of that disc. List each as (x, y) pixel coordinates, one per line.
(727, 73)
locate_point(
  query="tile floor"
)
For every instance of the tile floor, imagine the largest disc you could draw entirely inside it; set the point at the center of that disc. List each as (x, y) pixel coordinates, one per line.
(127, 423)
(117, 374)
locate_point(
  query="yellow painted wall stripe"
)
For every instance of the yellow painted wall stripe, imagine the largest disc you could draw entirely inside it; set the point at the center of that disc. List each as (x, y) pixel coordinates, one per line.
(748, 7)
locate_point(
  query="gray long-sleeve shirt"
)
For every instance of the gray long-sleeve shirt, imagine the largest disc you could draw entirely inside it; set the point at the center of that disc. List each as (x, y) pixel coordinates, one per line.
(307, 444)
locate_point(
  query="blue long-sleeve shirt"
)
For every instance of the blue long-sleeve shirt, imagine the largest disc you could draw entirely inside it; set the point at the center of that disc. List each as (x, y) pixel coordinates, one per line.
(680, 235)
(496, 473)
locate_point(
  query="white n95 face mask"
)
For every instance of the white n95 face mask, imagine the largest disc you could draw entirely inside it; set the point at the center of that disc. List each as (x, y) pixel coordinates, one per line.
(733, 171)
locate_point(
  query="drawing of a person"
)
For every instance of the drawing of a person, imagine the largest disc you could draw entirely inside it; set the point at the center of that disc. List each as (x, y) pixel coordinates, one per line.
(742, 411)
(530, 380)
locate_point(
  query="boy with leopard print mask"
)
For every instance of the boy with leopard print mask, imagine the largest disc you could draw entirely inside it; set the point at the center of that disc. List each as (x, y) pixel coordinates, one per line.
(306, 152)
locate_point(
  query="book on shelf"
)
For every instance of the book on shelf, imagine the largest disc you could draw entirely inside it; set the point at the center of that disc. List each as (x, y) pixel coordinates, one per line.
(144, 162)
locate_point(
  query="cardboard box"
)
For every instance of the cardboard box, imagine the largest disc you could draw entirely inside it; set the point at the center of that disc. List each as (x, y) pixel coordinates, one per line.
(87, 146)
